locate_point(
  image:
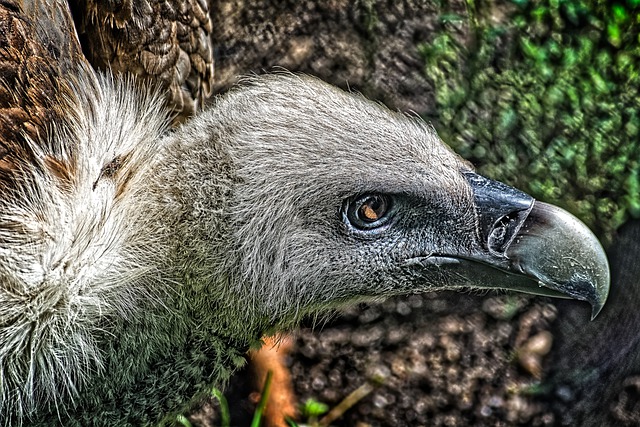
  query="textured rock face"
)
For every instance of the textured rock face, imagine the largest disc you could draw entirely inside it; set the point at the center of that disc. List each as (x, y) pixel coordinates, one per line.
(371, 47)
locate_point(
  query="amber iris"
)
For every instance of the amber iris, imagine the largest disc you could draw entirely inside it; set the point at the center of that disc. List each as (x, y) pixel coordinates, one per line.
(372, 208)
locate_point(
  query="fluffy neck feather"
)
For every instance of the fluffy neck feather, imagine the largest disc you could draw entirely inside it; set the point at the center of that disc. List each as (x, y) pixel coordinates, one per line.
(78, 249)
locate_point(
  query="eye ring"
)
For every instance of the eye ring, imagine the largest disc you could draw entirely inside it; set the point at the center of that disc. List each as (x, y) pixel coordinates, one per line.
(369, 211)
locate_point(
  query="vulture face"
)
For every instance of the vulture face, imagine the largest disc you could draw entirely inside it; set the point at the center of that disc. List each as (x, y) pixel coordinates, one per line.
(339, 199)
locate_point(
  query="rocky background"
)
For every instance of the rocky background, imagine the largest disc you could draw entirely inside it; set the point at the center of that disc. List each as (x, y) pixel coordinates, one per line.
(542, 95)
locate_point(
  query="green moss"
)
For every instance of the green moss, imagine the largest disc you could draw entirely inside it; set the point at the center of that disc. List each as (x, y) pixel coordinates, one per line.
(547, 100)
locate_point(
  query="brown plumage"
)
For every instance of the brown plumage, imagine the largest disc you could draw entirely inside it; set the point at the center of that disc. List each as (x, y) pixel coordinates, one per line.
(34, 61)
(166, 42)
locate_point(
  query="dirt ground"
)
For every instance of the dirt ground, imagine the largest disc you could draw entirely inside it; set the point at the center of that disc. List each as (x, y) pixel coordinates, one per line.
(439, 359)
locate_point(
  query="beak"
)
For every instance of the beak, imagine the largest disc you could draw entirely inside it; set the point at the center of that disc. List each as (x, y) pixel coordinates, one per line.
(529, 246)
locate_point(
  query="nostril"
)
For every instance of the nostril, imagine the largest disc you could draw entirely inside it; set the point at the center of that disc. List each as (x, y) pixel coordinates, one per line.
(496, 238)
(504, 231)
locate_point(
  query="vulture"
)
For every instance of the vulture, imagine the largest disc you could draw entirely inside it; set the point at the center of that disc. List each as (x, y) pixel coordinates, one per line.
(138, 263)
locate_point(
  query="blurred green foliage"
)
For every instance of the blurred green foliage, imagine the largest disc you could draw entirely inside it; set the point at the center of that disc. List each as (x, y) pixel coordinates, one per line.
(544, 95)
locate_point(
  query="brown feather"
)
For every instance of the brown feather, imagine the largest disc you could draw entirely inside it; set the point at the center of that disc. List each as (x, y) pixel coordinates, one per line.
(167, 43)
(34, 60)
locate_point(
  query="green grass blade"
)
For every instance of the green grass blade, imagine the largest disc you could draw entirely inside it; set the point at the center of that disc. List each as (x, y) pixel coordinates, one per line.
(257, 416)
(225, 418)
(184, 421)
(291, 422)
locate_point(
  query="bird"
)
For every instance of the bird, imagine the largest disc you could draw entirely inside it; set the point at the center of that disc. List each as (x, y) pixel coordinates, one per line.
(138, 263)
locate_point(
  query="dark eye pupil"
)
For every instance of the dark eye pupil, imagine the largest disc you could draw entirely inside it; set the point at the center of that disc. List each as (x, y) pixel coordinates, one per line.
(372, 209)
(368, 212)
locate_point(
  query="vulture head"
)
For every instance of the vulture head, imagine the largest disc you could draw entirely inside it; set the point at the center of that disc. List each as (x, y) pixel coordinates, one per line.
(137, 266)
(336, 199)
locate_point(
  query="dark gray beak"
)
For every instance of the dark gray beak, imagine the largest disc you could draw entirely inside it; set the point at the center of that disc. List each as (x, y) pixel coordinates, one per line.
(533, 247)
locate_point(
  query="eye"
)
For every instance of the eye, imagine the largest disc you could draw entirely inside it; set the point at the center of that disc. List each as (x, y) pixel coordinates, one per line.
(369, 211)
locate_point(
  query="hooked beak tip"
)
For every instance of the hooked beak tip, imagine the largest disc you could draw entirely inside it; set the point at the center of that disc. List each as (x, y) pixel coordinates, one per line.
(563, 254)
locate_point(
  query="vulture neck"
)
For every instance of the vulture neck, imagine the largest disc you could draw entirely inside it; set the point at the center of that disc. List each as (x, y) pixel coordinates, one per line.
(192, 182)
(169, 194)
